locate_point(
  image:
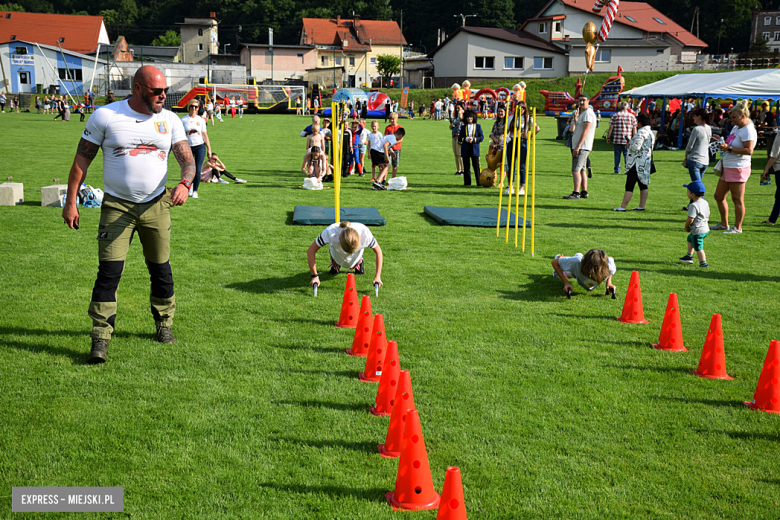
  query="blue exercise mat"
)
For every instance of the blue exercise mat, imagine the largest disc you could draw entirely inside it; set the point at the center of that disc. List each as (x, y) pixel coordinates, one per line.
(324, 216)
(478, 217)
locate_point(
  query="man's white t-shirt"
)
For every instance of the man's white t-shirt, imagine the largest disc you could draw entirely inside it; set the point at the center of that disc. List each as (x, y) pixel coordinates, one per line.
(586, 117)
(331, 237)
(194, 127)
(375, 141)
(135, 149)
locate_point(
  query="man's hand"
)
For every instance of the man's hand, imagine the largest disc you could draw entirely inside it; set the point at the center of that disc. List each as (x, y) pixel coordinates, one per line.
(71, 215)
(179, 195)
(575, 151)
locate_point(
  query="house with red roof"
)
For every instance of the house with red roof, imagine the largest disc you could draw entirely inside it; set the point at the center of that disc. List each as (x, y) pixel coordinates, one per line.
(347, 49)
(75, 33)
(551, 45)
(639, 33)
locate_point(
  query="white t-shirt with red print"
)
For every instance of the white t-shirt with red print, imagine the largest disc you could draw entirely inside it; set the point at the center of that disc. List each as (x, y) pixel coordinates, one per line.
(135, 149)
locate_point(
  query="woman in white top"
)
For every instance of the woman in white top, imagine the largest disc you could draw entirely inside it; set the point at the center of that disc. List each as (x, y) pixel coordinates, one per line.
(209, 111)
(195, 128)
(639, 163)
(697, 153)
(738, 149)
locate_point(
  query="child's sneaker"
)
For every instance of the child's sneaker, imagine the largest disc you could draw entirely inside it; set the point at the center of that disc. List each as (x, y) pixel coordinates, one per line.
(703, 264)
(360, 268)
(583, 194)
(687, 259)
(334, 268)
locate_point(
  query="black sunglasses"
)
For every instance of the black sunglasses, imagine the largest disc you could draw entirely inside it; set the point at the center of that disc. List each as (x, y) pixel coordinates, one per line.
(156, 91)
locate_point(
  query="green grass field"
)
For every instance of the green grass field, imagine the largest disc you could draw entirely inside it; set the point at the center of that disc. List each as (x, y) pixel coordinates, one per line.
(550, 407)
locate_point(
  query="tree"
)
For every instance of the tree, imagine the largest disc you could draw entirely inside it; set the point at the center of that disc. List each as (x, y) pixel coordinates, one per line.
(760, 45)
(12, 7)
(387, 65)
(169, 39)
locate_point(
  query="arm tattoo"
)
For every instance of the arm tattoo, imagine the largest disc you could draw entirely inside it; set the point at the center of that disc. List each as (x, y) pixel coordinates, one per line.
(87, 149)
(183, 154)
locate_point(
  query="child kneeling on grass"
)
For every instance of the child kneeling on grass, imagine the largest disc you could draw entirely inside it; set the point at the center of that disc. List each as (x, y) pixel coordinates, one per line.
(697, 223)
(589, 269)
(346, 242)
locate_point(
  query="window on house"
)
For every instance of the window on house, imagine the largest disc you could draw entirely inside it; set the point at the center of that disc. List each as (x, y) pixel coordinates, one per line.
(351, 61)
(766, 36)
(630, 19)
(21, 50)
(557, 27)
(513, 62)
(603, 56)
(543, 63)
(200, 47)
(659, 21)
(338, 61)
(542, 28)
(75, 74)
(372, 61)
(777, 20)
(200, 32)
(484, 62)
(300, 57)
(324, 60)
(777, 36)
(767, 20)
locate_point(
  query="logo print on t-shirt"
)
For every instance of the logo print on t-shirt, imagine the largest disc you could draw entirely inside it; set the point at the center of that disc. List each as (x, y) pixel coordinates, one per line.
(161, 127)
(142, 149)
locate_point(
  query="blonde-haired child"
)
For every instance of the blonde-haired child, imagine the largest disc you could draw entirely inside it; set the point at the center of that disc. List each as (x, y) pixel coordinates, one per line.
(346, 242)
(589, 269)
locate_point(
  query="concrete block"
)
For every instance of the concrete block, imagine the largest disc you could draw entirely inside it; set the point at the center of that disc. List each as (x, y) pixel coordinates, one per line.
(11, 193)
(52, 195)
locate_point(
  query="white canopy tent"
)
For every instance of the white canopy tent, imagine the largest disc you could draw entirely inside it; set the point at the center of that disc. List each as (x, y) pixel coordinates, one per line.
(744, 84)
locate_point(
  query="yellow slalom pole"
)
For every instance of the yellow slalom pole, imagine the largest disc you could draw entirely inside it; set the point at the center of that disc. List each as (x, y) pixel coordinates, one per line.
(527, 170)
(337, 161)
(533, 186)
(503, 167)
(512, 166)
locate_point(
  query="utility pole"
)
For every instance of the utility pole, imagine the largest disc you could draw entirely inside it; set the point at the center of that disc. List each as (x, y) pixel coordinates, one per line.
(401, 40)
(271, 49)
(719, 33)
(463, 17)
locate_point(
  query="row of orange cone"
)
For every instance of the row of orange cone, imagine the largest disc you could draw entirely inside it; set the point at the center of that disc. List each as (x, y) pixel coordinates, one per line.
(712, 363)
(404, 440)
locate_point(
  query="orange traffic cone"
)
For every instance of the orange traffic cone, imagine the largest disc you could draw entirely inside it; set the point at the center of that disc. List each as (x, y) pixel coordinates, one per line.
(767, 395)
(413, 484)
(376, 352)
(712, 363)
(363, 330)
(349, 310)
(632, 308)
(404, 399)
(452, 506)
(388, 382)
(671, 331)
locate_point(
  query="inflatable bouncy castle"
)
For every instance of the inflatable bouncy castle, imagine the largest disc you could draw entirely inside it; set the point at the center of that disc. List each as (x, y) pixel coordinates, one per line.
(605, 100)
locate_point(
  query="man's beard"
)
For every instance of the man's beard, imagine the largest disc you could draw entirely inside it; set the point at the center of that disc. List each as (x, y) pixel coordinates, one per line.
(154, 109)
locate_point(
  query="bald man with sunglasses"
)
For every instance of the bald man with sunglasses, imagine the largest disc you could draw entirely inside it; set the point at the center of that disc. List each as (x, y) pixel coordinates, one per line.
(136, 136)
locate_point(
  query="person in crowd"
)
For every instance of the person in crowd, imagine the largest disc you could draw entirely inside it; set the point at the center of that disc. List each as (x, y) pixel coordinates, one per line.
(298, 111)
(622, 127)
(346, 242)
(210, 110)
(697, 222)
(218, 111)
(387, 109)
(240, 103)
(697, 152)
(3, 101)
(215, 169)
(639, 163)
(198, 139)
(38, 104)
(391, 129)
(469, 138)
(590, 270)
(774, 153)
(136, 200)
(315, 164)
(455, 124)
(383, 156)
(584, 132)
(110, 97)
(46, 105)
(374, 139)
(738, 148)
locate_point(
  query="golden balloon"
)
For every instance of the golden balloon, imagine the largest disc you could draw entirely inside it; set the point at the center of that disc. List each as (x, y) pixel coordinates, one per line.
(589, 32)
